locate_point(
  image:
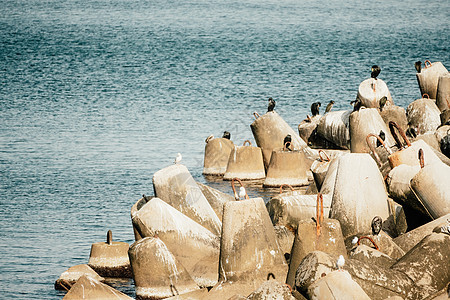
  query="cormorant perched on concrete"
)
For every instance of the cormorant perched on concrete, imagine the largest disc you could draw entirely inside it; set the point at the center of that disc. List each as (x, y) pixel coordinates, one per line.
(375, 71)
(418, 66)
(382, 136)
(287, 142)
(411, 132)
(383, 101)
(377, 224)
(356, 104)
(329, 106)
(271, 105)
(315, 108)
(226, 135)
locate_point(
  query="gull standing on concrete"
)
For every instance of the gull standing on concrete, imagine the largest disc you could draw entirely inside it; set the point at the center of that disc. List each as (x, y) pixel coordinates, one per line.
(340, 262)
(242, 193)
(178, 158)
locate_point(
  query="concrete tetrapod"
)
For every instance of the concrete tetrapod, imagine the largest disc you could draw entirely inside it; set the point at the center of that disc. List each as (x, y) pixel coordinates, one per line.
(110, 259)
(428, 78)
(377, 282)
(215, 198)
(443, 92)
(68, 278)
(217, 152)
(176, 186)
(156, 271)
(287, 167)
(423, 115)
(334, 127)
(90, 288)
(269, 131)
(246, 163)
(359, 194)
(371, 90)
(394, 113)
(195, 246)
(271, 289)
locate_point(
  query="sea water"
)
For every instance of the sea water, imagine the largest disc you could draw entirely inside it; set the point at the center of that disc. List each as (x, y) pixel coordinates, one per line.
(96, 96)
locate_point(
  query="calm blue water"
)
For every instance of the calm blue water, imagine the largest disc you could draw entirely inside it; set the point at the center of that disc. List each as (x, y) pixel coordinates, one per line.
(96, 96)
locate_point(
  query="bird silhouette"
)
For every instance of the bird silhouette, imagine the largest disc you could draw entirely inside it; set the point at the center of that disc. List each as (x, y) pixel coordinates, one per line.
(287, 142)
(178, 158)
(418, 66)
(329, 106)
(271, 105)
(356, 104)
(383, 101)
(382, 136)
(375, 71)
(226, 135)
(315, 108)
(377, 224)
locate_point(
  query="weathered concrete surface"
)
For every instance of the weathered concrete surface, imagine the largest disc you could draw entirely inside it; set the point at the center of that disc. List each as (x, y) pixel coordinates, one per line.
(176, 186)
(398, 184)
(359, 194)
(334, 127)
(110, 260)
(285, 240)
(427, 263)
(307, 130)
(271, 289)
(306, 240)
(288, 209)
(394, 113)
(137, 206)
(409, 155)
(195, 246)
(336, 285)
(217, 152)
(249, 249)
(431, 185)
(428, 78)
(370, 255)
(371, 90)
(245, 163)
(215, 198)
(377, 282)
(156, 271)
(361, 124)
(269, 132)
(90, 288)
(330, 178)
(424, 115)
(443, 92)
(71, 275)
(287, 167)
(411, 238)
(194, 295)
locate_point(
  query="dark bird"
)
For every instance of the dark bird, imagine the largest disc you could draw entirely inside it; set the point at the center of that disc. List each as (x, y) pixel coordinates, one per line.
(377, 224)
(287, 142)
(418, 66)
(315, 108)
(382, 136)
(383, 102)
(411, 132)
(356, 104)
(226, 135)
(271, 105)
(329, 106)
(375, 71)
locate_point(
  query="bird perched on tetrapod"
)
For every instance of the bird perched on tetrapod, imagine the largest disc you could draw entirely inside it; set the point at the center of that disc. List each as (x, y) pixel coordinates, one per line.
(329, 106)
(315, 108)
(287, 142)
(375, 71)
(418, 66)
(178, 158)
(271, 105)
(382, 101)
(382, 136)
(226, 135)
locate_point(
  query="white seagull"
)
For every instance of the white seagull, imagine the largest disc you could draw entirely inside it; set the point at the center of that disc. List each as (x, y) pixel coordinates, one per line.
(340, 262)
(242, 192)
(355, 240)
(178, 158)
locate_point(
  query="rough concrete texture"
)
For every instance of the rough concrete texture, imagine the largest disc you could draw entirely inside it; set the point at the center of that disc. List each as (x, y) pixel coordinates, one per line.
(429, 138)
(249, 250)
(290, 208)
(427, 263)
(397, 223)
(271, 290)
(287, 167)
(269, 132)
(431, 186)
(398, 184)
(386, 245)
(443, 92)
(409, 155)
(334, 127)
(285, 240)
(215, 198)
(428, 78)
(306, 129)
(246, 163)
(394, 113)
(336, 285)
(320, 167)
(411, 238)
(176, 186)
(442, 131)
(371, 256)
(359, 194)
(195, 246)
(306, 240)
(377, 282)
(74, 273)
(361, 124)
(330, 178)
(90, 288)
(156, 271)
(110, 260)
(217, 152)
(423, 115)
(194, 295)
(371, 90)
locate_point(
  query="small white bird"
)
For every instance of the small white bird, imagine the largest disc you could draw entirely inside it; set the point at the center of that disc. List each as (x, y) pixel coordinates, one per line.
(355, 240)
(178, 158)
(242, 193)
(340, 262)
